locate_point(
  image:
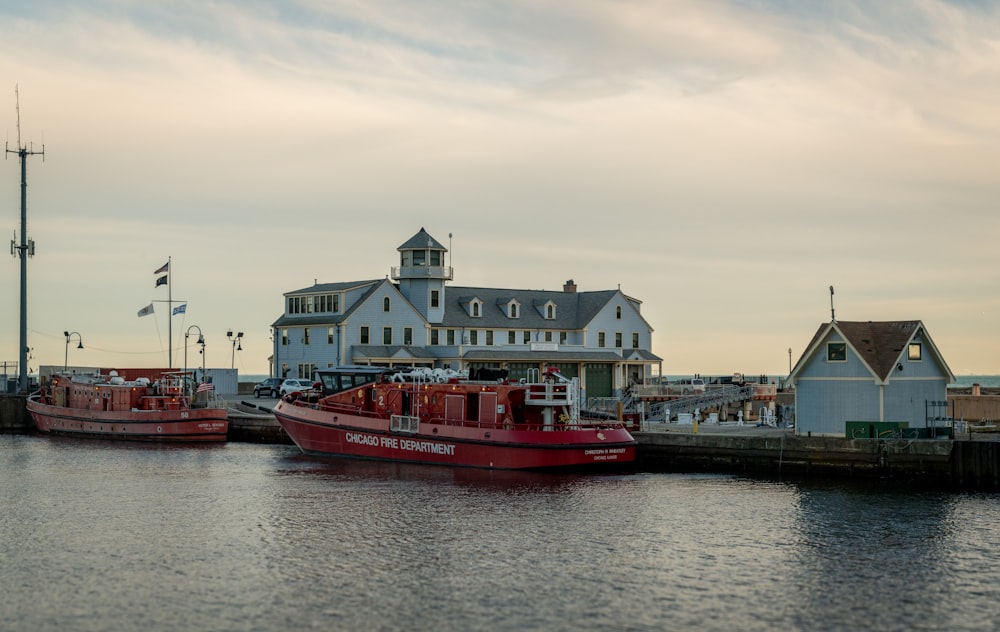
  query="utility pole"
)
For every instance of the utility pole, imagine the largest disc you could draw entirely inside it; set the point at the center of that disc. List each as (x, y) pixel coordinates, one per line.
(27, 247)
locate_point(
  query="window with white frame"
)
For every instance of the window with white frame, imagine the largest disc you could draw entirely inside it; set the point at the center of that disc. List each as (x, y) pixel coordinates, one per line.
(836, 352)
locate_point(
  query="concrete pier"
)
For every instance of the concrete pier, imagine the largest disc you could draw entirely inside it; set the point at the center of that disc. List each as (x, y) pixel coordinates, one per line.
(255, 423)
(969, 462)
(14, 417)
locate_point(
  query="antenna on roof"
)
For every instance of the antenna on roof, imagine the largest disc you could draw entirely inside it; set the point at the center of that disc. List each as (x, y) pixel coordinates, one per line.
(832, 317)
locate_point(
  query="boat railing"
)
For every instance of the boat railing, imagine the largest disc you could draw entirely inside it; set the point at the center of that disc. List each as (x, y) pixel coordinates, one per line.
(213, 400)
(583, 424)
(550, 393)
(404, 423)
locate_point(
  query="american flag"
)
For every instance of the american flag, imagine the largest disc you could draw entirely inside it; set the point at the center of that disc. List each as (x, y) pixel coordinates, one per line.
(205, 386)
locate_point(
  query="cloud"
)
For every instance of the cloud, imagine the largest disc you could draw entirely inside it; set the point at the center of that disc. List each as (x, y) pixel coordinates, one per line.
(722, 161)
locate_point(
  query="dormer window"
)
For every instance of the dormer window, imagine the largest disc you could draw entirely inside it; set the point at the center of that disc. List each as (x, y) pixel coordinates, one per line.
(473, 306)
(546, 309)
(509, 306)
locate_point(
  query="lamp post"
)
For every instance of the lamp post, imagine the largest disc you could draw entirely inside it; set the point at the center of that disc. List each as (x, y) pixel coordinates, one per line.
(236, 345)
(789, 360)
(201, 341)
(69, 335)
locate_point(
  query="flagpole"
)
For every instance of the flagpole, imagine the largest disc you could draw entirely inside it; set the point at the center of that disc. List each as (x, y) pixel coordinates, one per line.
(170, 317)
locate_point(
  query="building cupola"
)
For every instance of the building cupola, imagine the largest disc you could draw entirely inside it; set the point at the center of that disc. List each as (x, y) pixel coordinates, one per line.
(422, 273)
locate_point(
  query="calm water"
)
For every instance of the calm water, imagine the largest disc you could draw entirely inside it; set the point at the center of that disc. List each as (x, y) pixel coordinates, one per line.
(104, 536)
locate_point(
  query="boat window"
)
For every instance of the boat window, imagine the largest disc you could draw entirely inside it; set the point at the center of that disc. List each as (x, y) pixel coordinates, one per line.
(337, 382)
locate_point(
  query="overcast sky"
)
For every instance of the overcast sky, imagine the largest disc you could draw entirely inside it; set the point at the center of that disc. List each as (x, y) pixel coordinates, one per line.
(723, 162)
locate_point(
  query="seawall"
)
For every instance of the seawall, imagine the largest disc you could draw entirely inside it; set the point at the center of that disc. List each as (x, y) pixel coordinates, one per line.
(14, 417)
(967, 463)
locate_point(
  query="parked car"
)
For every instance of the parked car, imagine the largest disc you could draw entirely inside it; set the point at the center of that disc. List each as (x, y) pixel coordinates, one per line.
(293, 384)
(268, 388)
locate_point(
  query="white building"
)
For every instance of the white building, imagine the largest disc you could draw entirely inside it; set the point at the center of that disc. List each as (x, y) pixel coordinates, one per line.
(418, 319)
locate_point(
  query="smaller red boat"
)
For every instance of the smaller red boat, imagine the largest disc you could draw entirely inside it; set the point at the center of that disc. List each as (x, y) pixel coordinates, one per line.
(432, 417)
(112, 408)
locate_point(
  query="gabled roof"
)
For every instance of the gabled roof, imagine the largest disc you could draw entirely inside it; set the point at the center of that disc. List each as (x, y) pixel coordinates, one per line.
(397, 352)
(421, 241)
(331, 319)
(634, 355)
(879, 345)
(320, 288)
(574, 310)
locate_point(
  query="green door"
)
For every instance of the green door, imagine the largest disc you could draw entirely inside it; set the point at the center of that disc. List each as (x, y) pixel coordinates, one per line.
(599, 383)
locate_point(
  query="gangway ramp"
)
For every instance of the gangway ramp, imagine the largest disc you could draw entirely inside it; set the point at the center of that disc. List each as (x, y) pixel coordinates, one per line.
(712, 398)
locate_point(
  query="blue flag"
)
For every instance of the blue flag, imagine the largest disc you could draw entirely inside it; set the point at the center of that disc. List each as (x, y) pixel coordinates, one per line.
(180, 309)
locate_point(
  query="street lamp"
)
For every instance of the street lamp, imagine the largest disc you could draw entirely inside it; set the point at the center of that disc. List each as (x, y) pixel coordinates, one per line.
(236, 345)
(79, 346)
(201, 341)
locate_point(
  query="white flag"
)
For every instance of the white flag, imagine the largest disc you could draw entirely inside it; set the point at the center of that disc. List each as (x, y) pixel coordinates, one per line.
(146, 311)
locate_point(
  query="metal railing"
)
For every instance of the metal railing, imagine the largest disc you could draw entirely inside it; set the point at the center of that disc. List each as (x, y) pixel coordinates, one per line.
(659, 411)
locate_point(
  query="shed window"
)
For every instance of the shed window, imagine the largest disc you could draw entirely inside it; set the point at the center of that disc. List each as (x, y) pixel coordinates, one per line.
(914, 351)
(836, 352)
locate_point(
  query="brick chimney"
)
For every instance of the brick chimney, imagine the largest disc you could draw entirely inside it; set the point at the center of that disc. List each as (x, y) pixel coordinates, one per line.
(569, 286)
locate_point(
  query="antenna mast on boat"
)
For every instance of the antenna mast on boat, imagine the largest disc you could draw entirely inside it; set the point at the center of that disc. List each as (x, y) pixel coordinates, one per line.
(27, 247)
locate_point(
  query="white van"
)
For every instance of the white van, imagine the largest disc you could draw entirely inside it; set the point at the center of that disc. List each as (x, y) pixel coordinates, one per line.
(687, 387)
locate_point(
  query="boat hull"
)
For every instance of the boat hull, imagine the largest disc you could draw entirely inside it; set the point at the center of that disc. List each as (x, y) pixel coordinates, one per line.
(323, 433)
(185, 425)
